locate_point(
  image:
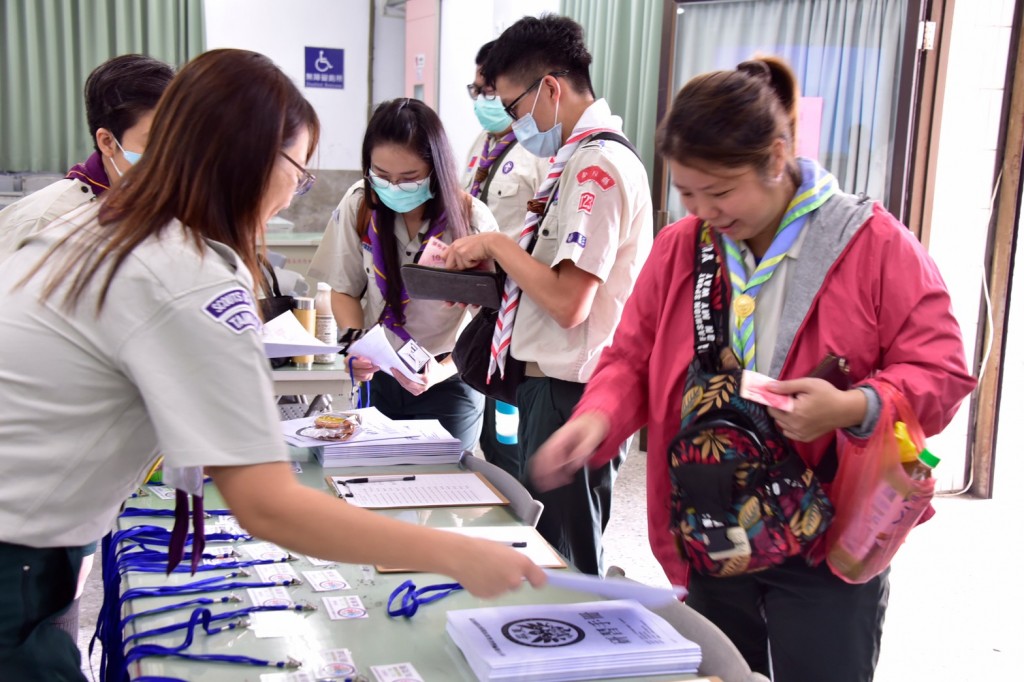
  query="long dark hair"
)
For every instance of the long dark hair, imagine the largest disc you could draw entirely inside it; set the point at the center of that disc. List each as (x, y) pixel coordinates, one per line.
(733, 118)
(411, 124)
(216, 136)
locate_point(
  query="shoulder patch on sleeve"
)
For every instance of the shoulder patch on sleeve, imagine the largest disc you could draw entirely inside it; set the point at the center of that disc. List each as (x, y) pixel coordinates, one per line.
(586, 202)
(234, 308)
(577, 238)
(597, 175)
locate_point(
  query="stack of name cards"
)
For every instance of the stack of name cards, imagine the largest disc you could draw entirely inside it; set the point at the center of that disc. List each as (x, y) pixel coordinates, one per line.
(615, 638)
(378, 441)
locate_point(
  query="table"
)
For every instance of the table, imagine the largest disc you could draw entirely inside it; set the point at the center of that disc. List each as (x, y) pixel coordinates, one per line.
(375, 640)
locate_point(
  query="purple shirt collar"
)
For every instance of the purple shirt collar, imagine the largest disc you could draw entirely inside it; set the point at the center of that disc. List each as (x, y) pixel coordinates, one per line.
(91, 173)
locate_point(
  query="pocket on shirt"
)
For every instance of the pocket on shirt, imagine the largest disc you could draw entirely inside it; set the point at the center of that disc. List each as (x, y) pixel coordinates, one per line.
(547, 238)
(503, 190)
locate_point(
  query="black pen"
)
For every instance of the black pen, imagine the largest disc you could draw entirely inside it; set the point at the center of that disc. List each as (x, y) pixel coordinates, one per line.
(375, 479)
(519, 544)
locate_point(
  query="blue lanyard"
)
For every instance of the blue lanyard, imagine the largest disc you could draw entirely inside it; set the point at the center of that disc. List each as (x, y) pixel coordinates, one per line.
(360, 389)
(238, 616)
(229, 599)
(413, 598)
(203, 618)
(142, 511)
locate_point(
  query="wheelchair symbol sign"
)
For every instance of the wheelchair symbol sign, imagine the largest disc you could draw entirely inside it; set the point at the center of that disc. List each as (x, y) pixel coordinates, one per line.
(325, 67)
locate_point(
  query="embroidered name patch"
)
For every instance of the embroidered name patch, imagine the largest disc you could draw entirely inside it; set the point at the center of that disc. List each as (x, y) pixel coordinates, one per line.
(507, 167)
(234, 309)
(598, 175)
(586, 203)
(577, 238)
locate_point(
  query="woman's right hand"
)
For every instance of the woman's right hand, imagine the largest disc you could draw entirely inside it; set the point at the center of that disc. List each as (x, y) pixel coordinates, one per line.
(362, 369)
(489, 569)
(563, 454)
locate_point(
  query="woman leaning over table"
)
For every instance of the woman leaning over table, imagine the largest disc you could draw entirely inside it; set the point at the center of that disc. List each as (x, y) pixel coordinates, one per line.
(409, 193)
(852, 281)
(131, 329)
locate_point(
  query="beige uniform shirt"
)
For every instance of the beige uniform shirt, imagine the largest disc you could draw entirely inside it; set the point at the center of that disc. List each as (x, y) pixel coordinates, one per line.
(346, 263)
(32, 213)
(513, 183)
(603, 222)
(172, 365)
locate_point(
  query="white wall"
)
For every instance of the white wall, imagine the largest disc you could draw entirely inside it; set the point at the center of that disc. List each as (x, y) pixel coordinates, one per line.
(465, 26)
(281, 30)
(963, 185)
(388, 55)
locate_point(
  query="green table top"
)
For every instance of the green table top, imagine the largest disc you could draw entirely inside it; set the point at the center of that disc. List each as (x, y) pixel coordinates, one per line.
(374, 640)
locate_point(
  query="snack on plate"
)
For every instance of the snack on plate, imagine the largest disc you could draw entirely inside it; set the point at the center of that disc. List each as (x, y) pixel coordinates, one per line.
(331, 421)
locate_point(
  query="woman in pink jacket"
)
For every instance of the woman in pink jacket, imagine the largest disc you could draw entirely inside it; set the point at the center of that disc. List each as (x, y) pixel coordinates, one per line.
(819, 272)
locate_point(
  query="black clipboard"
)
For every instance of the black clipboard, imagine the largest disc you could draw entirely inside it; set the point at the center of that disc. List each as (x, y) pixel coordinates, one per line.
(475, 287)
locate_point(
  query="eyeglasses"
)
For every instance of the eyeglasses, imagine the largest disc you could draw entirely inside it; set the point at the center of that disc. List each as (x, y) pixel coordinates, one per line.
(475, 91)
(307, 179)
(406, 186)
(511, 108)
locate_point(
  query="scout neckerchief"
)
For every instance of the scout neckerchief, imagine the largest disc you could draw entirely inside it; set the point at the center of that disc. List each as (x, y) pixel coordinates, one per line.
(487, 158)
(91, 173)
(395, 319)
(510, 298)
(817, 187)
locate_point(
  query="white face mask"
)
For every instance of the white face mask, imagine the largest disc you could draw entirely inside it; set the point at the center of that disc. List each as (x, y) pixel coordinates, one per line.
(543, 144)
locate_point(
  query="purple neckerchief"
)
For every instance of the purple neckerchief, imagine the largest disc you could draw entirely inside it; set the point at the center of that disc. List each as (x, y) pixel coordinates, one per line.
(179, 534)
(395, 319)
(91, 173)
(487, 157)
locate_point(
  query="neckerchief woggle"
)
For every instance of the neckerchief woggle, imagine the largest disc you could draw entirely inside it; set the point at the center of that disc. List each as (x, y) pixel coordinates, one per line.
(487, 157)
(390, 318)
(817, 187)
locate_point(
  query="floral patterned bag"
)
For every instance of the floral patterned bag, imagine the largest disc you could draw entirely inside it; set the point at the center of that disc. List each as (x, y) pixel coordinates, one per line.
(742, 499)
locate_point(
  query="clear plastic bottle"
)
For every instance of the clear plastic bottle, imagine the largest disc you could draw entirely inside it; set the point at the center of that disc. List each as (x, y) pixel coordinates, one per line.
(326, 327)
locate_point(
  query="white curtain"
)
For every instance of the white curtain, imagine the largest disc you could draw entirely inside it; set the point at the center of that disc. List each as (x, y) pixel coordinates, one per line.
(846, 52)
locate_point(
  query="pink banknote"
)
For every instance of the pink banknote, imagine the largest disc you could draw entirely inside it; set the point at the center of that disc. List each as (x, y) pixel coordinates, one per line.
(753, 386)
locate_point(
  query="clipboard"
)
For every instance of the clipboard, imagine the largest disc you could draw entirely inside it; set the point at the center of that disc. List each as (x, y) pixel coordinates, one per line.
(537, 548)
(415, 491)
(475, 287)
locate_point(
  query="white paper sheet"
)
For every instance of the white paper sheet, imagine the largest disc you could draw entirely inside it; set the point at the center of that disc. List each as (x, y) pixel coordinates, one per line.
(284, 336)
(611, 588)
(375, 347)
(423, 490)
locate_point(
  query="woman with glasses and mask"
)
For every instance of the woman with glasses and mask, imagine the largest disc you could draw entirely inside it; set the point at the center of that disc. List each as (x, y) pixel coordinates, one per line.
(130, 329)
(409, 193)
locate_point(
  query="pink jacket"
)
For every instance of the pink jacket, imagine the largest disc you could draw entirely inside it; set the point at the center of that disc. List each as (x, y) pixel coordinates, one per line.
(882, 305)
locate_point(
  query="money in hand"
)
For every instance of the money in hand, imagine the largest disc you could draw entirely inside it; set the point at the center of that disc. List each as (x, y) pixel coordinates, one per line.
(754, 387)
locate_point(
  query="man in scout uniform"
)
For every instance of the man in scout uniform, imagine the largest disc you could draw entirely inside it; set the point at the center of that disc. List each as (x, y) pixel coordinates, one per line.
(563, 301)
(503, 175)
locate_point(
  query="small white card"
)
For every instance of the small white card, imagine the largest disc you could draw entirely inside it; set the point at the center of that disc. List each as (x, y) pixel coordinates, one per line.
(164, 492)
(265, 550)
(266, 624)
(396, 672)
(325, 581)
(344, 608)
(335, 664)
(269, 596)
(275, 572)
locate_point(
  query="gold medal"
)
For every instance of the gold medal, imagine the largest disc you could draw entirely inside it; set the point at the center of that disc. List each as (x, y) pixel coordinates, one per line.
(743, 305)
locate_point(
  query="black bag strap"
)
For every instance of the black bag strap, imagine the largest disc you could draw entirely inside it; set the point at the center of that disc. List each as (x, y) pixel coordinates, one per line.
(616, 137)
(708, 320)
(494, 166)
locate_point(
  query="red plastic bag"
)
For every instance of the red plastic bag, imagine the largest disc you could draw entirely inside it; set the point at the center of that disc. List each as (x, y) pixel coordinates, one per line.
(877, 502)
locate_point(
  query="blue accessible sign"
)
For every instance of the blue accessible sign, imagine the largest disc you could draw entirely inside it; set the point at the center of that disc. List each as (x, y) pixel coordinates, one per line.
(325, 67)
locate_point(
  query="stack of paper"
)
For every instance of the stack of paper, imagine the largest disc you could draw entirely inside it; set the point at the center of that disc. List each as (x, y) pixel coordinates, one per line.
(379, 441)
(583, 641)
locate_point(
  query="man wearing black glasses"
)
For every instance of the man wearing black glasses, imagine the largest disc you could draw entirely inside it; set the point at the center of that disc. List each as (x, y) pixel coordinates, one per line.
(590, 231)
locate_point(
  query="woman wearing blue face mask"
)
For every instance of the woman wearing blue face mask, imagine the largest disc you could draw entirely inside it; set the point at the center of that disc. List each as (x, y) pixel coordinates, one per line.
(408, 194)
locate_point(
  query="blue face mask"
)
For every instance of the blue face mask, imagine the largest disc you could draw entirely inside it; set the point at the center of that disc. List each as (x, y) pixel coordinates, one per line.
(403, 197)
(491, 114)
(131, 157)
(540, 144)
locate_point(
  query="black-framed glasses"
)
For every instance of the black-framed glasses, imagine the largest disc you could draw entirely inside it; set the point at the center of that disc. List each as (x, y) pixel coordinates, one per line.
(475, 91)
(511, 108)
(307, 180)
(406, 185)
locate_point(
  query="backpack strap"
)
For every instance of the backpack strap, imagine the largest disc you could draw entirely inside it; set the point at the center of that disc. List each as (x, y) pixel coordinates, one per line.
(616, 137)
(708, 316)
(494, 166)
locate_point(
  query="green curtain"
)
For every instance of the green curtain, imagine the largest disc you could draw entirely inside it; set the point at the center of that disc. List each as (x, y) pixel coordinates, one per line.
(625, 39)
(47, 50)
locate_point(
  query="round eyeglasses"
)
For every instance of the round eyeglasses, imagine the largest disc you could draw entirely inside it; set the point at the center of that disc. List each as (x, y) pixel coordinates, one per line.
(305, 181)
(406, 185)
